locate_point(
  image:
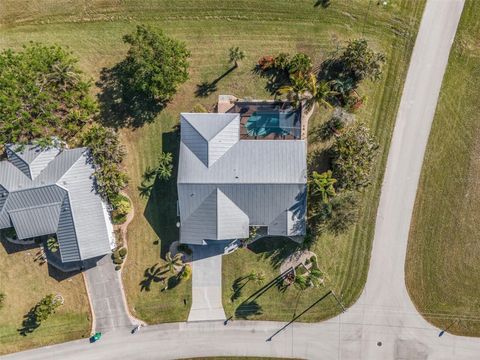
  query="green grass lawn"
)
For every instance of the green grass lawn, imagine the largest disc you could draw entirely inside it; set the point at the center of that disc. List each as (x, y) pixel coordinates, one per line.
(93, 31)
(25, 282)
(443, 272)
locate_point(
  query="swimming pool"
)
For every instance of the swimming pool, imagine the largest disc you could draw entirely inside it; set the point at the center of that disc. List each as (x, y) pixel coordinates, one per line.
(263, 123)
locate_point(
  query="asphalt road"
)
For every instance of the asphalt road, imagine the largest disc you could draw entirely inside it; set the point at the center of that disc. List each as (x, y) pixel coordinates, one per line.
(383, 324)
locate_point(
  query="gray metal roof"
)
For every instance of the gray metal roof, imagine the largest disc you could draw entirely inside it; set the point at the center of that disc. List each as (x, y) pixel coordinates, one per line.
(265, 180)
(36, 221)
(60, 199)
(209, 138)
(218, 218)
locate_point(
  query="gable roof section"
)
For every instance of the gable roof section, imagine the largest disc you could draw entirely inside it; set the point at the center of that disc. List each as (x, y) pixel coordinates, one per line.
(217, 217)
(209, 136)
(86, 208)
(30, 159)
(232, 222)
(36, 221)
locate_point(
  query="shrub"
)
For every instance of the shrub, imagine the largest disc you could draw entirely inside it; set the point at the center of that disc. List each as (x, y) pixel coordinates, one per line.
(199, 108)
(353, 155)
(360, 62)
(186, 272)
(122, 252)
(106, 153)
(117, 261)
(118, 267)
(2, 300)
(45, 308)
(300, 63)
(184, 248)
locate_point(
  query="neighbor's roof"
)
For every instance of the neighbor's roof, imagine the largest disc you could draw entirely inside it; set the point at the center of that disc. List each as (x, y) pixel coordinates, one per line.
(265, 180)
(46, 191)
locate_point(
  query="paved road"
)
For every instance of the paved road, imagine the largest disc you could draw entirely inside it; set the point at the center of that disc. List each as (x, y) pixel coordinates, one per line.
(106, 294)
(207, 283)
(383, 324)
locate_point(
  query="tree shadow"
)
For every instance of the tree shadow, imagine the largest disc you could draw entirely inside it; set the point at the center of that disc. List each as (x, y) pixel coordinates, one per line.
(120, 106)
(29, 323)
(152, 275)
(323, 3)
(237, 286)
(276, 78)
(249, 306)
(247, 309)
(275, 249)
(206, 88)
(319, 160)
(161, 209)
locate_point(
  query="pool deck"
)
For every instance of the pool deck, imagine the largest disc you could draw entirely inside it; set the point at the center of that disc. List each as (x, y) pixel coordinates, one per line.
(247, 108)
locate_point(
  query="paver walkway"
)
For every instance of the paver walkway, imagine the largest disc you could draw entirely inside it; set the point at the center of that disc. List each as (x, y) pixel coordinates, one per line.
(207, 283)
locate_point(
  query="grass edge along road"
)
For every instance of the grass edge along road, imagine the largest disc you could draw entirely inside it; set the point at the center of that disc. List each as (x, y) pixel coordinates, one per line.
(442, 272)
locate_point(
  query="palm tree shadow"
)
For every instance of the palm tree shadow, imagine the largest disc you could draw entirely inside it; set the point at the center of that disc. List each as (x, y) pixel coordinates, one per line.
(276, 78)
(206, 88)
(151, 275)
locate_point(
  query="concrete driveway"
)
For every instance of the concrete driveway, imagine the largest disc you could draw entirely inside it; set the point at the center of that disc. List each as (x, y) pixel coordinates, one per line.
(107, 297)
(207, 283)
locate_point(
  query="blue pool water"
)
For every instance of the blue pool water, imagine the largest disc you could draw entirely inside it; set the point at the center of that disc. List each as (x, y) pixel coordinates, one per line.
(263, 123)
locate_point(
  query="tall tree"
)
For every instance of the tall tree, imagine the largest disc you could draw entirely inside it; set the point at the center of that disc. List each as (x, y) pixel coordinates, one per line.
(42, 95)
(155, 65)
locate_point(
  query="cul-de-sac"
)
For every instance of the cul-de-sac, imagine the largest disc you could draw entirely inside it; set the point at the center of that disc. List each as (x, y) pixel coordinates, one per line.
(239, 179)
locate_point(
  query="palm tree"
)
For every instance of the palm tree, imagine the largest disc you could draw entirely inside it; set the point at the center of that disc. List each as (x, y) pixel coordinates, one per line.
(307, 89)
(235, 55)
(173, 261)
(63, 75)
(165, 167)
(322, 184)
(52, 244)
(256, 276)
(320, 92)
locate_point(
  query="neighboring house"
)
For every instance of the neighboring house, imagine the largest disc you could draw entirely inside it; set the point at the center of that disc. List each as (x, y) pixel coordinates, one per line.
(228, 181)
(51, 191)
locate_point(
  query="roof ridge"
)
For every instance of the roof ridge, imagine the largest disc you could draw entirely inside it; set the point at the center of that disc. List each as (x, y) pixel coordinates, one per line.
(34, 207)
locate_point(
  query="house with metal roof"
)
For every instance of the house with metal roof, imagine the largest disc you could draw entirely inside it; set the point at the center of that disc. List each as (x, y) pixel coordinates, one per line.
(228, 183)
(50, 191)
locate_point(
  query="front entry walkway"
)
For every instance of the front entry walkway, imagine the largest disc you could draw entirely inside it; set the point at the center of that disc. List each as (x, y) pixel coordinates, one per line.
(207, 283)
